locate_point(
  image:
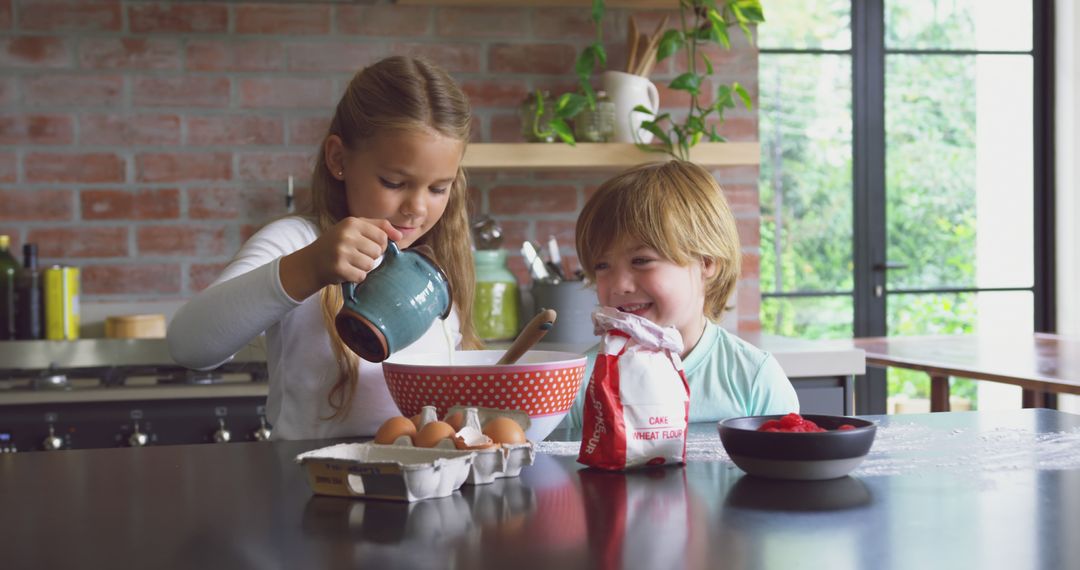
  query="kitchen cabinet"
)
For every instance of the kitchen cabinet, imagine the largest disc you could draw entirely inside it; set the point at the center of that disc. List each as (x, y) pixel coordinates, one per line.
(549, 156)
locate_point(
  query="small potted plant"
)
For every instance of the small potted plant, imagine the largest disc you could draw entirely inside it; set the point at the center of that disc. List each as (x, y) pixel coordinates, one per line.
(701, 22)
(637, 116)
(551, 115)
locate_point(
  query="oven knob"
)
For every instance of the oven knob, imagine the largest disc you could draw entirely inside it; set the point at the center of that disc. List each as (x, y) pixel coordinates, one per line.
(138, 438)
(222, 435)
(263, 433)
(52, 442)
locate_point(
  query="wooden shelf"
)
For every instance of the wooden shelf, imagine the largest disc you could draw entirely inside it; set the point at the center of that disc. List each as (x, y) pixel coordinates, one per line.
(662, 4)
(542, 156)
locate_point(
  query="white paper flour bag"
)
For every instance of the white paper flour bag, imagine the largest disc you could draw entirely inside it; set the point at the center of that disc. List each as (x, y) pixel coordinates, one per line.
(637, 404)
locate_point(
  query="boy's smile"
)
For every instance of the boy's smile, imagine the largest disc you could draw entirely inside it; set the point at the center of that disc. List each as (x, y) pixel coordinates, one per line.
(637, 308)
(635, 278)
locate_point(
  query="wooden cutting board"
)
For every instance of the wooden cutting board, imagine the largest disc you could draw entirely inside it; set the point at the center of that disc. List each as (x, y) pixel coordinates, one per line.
(135, 326)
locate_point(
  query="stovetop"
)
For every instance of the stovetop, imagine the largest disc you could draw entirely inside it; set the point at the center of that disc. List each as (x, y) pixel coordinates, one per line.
(93, 393)
(103, 377)
(108, 363)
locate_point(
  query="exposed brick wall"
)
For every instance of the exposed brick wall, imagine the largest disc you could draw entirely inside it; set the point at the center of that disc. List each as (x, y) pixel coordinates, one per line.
(144, 141)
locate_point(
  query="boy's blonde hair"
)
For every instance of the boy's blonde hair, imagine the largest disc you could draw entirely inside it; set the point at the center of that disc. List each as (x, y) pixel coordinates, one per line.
(397, 94)
(676, 208)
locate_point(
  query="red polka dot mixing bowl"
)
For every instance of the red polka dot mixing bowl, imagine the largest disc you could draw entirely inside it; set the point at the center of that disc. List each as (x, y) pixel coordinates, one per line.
(542, 383)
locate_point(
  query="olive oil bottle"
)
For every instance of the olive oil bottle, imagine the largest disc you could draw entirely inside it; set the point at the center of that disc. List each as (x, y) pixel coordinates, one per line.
(9, 268)
(29, 324)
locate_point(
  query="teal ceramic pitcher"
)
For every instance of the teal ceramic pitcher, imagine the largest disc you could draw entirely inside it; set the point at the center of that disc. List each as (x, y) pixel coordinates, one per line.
(395, 304)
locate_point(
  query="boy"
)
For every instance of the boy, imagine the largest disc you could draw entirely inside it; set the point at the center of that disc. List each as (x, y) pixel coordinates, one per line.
(659, 241)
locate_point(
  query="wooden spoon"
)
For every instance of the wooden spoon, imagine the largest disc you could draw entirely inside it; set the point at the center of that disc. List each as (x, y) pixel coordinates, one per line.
(652, 46)
(530, 335)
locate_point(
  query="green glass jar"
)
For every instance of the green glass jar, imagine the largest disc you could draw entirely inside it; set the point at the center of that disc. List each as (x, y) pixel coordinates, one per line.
(527, 113)
(495, 303)
(596, 124)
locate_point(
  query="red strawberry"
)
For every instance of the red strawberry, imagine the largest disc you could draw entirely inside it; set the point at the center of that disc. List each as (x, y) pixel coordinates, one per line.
(769, 424)
(791, 420)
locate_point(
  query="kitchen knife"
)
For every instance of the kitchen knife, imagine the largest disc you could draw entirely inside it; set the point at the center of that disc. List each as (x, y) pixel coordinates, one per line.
(536, 266)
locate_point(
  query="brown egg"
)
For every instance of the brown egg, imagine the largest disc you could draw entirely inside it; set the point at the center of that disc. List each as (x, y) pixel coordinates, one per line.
(456, 420)
(504, 430)
(432, 433)
(416, 421)
(394, 428)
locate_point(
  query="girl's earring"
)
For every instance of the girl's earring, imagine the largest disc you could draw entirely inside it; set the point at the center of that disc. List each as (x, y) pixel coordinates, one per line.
(340, 173)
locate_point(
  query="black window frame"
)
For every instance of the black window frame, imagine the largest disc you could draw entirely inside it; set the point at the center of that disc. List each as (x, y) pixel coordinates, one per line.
(868, 53)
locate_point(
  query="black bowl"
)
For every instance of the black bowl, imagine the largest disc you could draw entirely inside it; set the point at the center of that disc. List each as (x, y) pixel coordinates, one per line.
(760, 494)
(805, 456)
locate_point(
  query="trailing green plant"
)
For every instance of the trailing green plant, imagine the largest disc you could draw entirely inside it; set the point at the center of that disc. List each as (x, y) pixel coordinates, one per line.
(701, 22)
(568, 105)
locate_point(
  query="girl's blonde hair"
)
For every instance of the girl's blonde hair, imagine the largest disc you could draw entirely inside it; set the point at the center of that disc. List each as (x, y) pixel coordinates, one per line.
(676, 208)
(397, 94)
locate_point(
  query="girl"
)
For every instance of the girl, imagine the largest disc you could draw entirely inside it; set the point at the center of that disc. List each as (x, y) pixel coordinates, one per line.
(659, 241)
(389, 168)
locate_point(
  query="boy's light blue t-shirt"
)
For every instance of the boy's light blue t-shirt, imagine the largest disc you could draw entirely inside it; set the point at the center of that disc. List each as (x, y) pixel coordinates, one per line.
(728, 378)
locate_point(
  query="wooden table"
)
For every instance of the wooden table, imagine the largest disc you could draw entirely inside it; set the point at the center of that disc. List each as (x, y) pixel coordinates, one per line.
(951, 490)
(1041, 364)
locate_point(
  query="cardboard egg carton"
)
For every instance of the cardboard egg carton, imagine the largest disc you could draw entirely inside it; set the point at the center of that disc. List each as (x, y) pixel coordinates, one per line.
(484, 415)
(398, 473)
(490, 463)
(510, 459)
(402, 472)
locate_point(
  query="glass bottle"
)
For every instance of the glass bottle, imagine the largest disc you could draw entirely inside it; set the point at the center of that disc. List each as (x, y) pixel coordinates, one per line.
(527, 111)
(596, 125)
(495, 304)
(29, 308)
(9, 268)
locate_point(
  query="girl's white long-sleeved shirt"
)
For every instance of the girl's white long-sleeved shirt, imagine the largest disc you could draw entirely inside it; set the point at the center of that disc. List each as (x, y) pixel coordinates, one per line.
(248, 299)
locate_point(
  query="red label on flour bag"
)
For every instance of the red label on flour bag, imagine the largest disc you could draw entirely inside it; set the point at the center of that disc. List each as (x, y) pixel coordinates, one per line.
(637, 404)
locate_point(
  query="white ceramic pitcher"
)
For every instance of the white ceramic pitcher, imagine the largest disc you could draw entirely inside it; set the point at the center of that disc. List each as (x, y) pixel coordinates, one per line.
(627, 91)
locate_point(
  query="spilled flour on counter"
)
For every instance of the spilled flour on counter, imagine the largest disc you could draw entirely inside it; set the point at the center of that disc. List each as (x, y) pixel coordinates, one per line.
(901, 448)
(558, 448)
(906, 448)
(699, 447)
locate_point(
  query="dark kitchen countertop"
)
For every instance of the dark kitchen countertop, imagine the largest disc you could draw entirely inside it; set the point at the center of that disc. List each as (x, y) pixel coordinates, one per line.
(956, 490)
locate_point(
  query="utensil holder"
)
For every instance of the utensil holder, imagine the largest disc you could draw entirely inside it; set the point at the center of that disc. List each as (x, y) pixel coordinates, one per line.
(574, 304)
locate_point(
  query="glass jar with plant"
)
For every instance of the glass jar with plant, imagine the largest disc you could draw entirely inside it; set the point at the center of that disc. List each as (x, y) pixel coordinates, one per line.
(701, 22)
(551, 116)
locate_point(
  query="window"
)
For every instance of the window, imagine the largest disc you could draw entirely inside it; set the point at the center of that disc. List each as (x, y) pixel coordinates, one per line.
(899, 188)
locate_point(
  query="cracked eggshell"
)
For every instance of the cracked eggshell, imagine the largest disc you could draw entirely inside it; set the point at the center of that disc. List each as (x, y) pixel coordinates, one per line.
(471, 438)
(484, 415)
